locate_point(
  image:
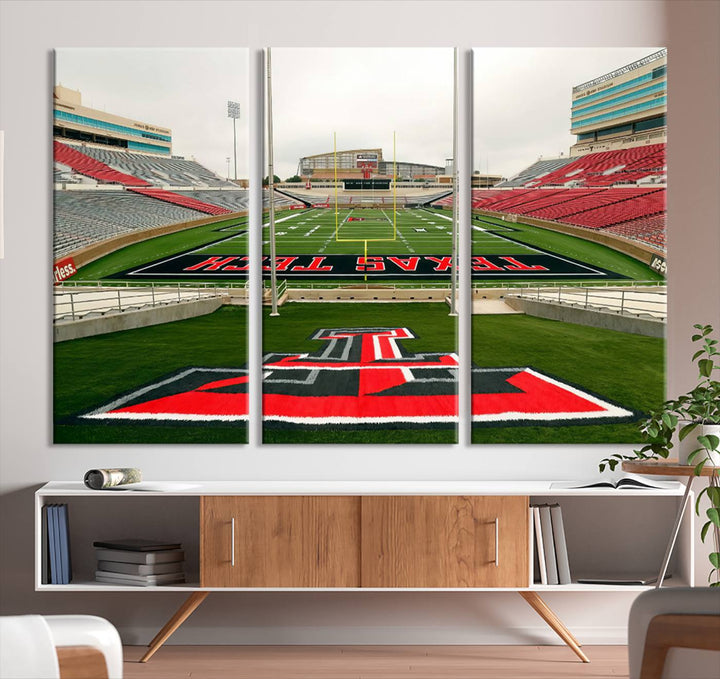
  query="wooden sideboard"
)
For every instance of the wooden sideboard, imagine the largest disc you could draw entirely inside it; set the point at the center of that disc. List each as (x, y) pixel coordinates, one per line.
(364, 536)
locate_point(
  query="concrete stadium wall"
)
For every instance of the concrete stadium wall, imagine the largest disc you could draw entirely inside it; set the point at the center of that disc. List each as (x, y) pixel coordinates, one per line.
(129, 320)
(643, 253)
(97, 250)
(591, 317)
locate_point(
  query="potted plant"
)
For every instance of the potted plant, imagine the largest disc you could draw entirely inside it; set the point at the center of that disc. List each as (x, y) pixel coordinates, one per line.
(698, 408)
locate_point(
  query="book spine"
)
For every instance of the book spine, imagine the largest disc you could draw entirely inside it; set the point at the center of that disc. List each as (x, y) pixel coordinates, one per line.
(140, 569)
(561, 551)
(64, 545)
(45, 573)
(540, 546)
(147, 558)
(54, 545)
(549, 545)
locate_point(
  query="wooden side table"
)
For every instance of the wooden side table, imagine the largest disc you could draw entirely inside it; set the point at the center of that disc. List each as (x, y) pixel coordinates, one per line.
(669, 468)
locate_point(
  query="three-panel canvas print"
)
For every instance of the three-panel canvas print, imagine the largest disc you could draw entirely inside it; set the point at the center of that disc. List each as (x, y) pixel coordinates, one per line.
(359, 244)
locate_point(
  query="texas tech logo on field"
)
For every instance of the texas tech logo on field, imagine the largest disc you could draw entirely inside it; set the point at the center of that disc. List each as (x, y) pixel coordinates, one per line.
(363, 377)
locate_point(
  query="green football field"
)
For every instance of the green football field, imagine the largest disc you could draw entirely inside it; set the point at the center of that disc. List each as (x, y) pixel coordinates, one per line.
(227, 234)
(401, 232)
(359, 232)
(92, 372)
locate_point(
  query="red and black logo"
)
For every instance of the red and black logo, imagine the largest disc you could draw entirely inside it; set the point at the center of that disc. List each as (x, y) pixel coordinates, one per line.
(363, 377)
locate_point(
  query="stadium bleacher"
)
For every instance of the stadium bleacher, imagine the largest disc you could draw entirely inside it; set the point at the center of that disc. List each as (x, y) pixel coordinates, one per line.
(647, 229)
(183, 201)
(158, 171)
(233, 200)
(91, 167)
(86, 217)
(535, 171)
(634, 212)
(608, 167)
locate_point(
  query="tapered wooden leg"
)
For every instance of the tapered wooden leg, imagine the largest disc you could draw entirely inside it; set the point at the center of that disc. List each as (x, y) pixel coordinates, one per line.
(546, 613)
(181, 615)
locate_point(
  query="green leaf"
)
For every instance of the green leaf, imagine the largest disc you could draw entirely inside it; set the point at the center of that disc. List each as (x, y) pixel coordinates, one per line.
(698, 353)
(669, 420)
(699, 467)
(709, 441)
(712, 441)
(713, 493)
(705, 366)
(714, 516)
(687, 429)
(691, 457)
(715, 559)
(695, 338)
(704, 530)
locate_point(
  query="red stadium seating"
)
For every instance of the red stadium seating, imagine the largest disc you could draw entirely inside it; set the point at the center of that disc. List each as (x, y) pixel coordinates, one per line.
(183, 201)
(646, 229)
(646, 204)
(623, 166)
(633, 212)
(90, 167)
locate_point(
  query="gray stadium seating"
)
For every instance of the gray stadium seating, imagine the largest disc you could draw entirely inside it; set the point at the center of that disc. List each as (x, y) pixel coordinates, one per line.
(157, 170)
(537, 169)
(235, 200)
(86, 217)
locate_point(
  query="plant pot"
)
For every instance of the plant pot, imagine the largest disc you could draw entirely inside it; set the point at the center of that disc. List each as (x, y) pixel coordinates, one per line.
(714, 429)
(691, 443)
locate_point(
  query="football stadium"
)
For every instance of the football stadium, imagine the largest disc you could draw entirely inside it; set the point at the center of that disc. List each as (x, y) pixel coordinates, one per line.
(359, 338)
(145, 352)
(588, 298)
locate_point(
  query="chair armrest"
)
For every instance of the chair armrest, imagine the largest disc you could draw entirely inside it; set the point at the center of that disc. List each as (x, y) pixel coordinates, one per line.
(677, 631)
(81, 662)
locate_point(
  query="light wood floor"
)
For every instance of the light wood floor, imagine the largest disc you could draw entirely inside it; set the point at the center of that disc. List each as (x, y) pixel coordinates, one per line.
(375, 662)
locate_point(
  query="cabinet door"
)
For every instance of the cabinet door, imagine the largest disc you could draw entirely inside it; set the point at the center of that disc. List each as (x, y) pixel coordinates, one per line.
(303, 541)
(440, 541)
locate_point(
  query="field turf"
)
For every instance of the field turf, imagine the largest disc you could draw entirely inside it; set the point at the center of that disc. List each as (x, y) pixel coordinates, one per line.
(290, 332)
(215, 238)
(375, 231)
(406, 232)
(92, 371)
(594, 359)
(491, 235)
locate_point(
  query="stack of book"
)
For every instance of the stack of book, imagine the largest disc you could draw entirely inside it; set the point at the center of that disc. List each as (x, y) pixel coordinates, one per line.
(56, 565)
(552, 565)
(143, 563)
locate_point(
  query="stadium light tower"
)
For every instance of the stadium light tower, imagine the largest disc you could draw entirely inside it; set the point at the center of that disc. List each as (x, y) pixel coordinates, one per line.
(234, 113)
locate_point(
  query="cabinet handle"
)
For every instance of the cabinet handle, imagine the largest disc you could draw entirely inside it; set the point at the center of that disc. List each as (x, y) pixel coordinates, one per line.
(232, 542)
(497, 541)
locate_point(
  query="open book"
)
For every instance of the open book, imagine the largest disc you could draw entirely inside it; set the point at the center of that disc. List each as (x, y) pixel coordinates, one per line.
(618, 481)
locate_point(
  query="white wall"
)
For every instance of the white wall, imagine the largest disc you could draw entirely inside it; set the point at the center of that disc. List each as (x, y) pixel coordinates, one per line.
(30, 29)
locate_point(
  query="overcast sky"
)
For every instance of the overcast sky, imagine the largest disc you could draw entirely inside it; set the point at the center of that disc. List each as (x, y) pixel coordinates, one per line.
(522, 99)
(363, 95)
(186, 90)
